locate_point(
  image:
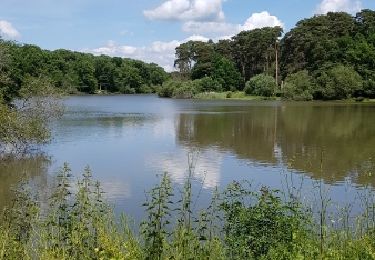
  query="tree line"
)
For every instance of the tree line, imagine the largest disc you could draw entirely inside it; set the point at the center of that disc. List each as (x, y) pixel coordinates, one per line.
(73, 71)
(328, 56)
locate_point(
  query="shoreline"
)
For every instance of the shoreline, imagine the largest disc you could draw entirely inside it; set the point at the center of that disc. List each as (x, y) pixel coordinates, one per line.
(239, 95)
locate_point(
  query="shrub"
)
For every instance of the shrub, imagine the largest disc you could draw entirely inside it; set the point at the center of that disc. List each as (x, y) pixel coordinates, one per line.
(146, 89)
(208, 84)
(260, 85)
(299, 86)
(166, 90)
(182, 89)
(257, 222)
(339, 82)
(185, 91)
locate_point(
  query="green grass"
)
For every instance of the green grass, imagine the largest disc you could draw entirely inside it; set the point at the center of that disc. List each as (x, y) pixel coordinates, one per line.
(241, 222)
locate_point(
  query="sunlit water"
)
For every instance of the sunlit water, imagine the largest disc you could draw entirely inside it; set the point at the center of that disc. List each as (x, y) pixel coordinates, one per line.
(128, 140)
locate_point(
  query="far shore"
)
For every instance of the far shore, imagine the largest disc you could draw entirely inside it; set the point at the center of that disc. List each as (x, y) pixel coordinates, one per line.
(237, 95)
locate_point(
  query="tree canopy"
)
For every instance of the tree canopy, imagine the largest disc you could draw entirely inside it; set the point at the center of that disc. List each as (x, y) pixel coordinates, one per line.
(75, 71)
(318, 58)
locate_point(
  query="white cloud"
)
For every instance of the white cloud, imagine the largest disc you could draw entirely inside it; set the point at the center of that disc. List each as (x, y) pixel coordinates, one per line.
(222, 30)
(210, 27)
(196, 38)
(112, 49)
(159, 52)
(261, 20)
(349, 6)
(191, 10)
(8, 31)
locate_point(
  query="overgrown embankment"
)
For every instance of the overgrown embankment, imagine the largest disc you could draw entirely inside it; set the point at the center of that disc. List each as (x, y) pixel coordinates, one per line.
(242, 222)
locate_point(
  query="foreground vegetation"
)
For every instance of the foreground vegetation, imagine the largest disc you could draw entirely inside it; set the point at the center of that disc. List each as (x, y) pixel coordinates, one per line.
(242, 222)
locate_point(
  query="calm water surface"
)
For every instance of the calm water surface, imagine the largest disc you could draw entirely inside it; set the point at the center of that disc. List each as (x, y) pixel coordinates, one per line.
(128, 140)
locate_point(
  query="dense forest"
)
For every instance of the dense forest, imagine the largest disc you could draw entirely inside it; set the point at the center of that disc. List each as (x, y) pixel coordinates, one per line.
(75, 72)
(324, 57)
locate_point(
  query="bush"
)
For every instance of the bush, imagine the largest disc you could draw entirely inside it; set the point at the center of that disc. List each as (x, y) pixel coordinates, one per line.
(208, 84)
(166, 90)
(299, 86)
(260, 85)
(187, 90)
(339, 82)
(256, 222)
(146, 89)
(179, 89)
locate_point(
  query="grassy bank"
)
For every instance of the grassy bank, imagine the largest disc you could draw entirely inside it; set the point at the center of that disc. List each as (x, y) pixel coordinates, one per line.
(239, 95)
(242, 222)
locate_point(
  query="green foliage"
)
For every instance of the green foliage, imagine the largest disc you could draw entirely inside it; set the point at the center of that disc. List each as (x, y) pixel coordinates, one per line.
(339, 82)
(314, 46)
(73, 71)
(6, 90)
(26, 123)
(299, 86)
(188, 89)
(154, 229)
(166, 90)
(254, 51)
(208, 84)
(261, 85)
(315, 41)
(224, 71)
(240, 223)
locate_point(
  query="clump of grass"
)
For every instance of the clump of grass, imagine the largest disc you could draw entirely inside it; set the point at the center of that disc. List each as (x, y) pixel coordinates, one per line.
(242, 222)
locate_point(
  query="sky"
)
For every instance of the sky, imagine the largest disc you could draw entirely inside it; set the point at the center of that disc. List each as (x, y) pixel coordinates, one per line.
(150, 30)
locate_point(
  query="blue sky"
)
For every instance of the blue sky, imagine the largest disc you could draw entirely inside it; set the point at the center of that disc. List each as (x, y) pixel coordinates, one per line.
(150, 29)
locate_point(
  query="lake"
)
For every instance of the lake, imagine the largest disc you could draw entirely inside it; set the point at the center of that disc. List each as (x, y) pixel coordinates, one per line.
(128, 140)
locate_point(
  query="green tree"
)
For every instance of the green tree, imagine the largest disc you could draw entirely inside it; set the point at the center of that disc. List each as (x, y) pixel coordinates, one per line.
(184, 58)
(5, 81)
(86, 70)
(203, 58)
(251, 50)
(315, 41)
(225, 72)
(157, 75)
(27, 123)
